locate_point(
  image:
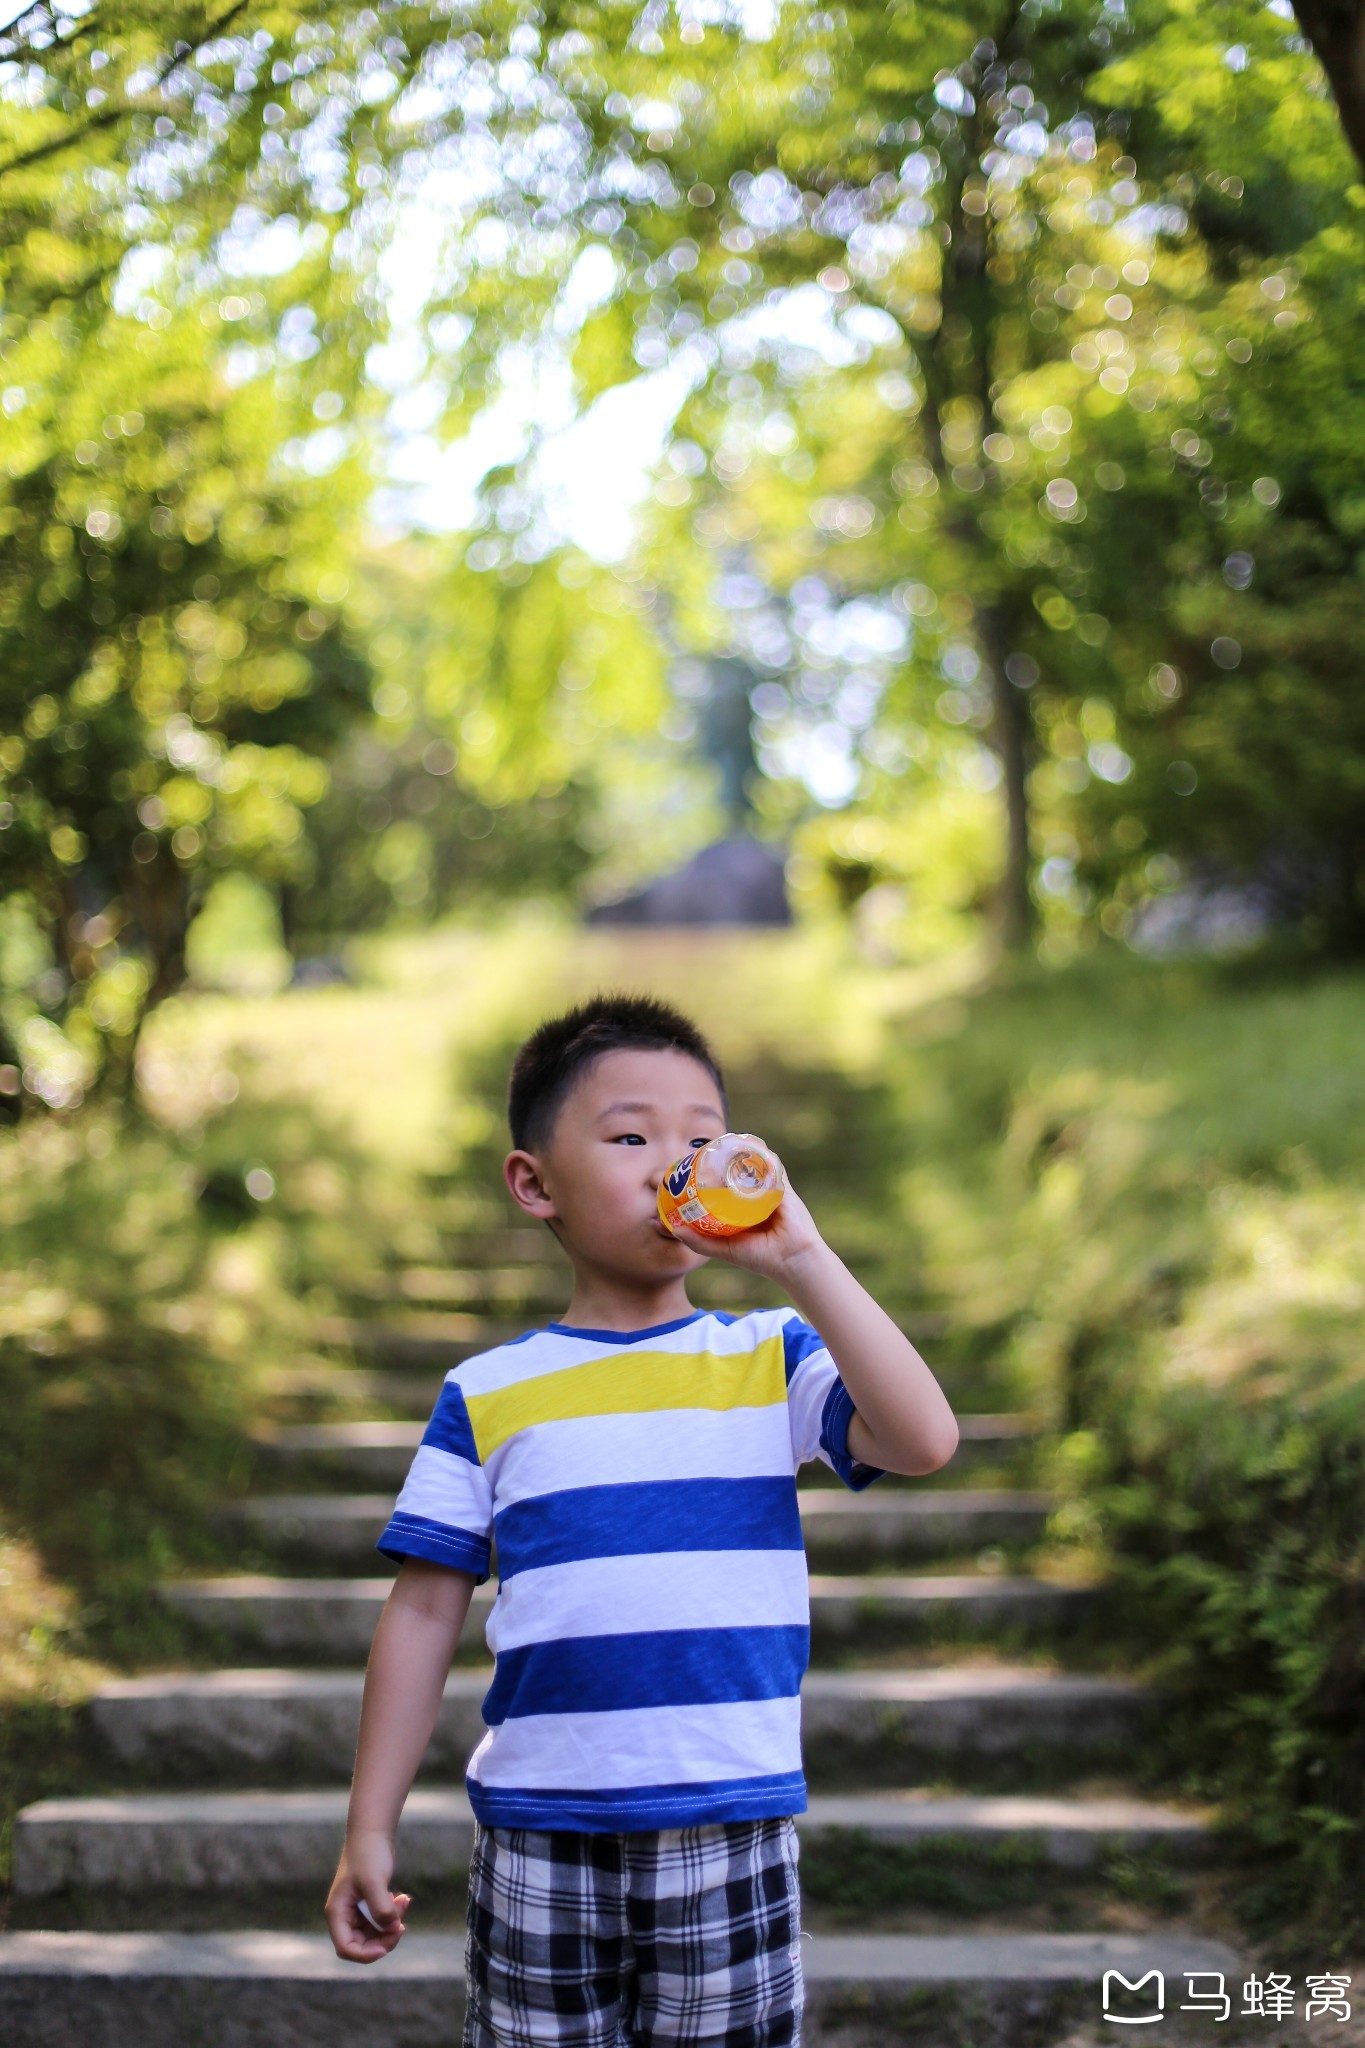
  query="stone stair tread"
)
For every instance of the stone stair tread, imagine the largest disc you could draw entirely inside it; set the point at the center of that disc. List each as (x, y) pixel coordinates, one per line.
(388, 1435)
(825, 1504)
(982, 1429)
(910, 1809)
(306, 1720)
(887, 1811)
(852, 1958)
(815, 1504)
(945, 1585)
(332, 1381)
(215, 1842)
(969, 1681)
(335, 1616)
(897, 1523)
(936, 1682)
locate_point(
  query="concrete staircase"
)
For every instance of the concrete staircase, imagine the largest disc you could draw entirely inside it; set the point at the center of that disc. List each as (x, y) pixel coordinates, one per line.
(975, 1856)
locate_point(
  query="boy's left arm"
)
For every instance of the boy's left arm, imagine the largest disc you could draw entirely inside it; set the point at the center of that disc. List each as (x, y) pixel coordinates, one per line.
(903, 1421)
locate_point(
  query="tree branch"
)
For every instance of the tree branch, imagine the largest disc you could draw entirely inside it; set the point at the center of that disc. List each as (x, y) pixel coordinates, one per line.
(107, 116)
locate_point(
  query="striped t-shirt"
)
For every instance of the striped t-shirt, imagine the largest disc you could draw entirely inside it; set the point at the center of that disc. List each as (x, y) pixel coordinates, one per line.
(652, 1619)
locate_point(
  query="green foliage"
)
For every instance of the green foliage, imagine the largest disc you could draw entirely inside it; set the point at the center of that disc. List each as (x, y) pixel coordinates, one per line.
(149, 1278)
(1139, 1190)
(174, 666)
(1017, 482)
(1011, 320)
(196, 634)
(1235, 1518)
(121, 1417)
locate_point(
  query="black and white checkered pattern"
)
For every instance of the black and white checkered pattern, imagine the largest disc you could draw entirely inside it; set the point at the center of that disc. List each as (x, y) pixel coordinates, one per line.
(684, 1935)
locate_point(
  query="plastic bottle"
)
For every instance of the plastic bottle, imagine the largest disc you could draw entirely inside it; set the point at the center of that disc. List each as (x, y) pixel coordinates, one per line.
(726, 1186)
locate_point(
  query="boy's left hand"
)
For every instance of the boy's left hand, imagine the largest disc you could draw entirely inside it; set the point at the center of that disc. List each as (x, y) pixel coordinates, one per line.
(773, 1248)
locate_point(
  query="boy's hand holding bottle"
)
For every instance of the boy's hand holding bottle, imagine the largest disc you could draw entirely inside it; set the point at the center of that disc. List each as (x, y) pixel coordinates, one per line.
(730, 1200)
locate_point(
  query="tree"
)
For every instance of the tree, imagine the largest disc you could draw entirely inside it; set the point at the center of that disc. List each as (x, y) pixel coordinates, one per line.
(1041, 199)
(177, 332)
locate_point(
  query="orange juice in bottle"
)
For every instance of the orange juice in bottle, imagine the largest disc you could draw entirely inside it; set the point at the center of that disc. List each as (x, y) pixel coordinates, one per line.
(726, 1186)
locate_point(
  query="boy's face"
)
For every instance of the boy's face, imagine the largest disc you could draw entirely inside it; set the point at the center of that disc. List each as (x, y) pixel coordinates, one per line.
(623, 1124)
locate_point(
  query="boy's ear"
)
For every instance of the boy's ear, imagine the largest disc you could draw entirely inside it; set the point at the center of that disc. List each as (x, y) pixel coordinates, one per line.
(521, 1171)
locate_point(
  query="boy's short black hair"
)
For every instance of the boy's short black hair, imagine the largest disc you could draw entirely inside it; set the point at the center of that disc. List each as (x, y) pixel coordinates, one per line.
(560, 1050)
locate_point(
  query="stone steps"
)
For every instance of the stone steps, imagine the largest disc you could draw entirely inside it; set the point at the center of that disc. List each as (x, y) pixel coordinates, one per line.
(304, 1722)
(276, 1990)
(839, 1527)
(336, 1617)
(381, 1452)
(244, 1841)
(1000, 1764)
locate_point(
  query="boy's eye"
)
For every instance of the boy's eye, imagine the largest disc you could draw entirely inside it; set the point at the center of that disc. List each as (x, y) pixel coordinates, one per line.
(628, 1138)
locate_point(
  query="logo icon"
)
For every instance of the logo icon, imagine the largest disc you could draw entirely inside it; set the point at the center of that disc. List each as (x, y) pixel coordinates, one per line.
(676, 1179)
(1115, 1978)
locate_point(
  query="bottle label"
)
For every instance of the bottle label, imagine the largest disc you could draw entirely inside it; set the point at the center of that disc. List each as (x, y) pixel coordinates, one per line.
(677, 1178)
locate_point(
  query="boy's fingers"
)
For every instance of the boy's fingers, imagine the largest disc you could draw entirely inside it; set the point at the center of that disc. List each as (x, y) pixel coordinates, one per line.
(363, 1930)
(383, 1911)
(354, 1940)
(710, 1247)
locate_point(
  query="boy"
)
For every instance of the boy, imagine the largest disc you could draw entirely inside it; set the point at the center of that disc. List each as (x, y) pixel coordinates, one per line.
(634, 1869)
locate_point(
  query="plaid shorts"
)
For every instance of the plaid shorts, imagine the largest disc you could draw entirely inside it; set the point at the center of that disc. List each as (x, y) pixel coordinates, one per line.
(627, 1940)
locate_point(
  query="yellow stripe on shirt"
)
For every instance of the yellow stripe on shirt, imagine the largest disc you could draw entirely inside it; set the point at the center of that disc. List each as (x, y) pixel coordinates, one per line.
(631, 1383)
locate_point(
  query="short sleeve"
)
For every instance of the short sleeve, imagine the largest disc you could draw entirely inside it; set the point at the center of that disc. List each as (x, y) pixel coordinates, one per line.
(445, 1510)
(819, 1406)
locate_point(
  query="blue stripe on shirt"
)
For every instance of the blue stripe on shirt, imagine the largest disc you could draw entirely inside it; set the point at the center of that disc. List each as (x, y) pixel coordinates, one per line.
(450, 1428)
(464, 1550)
(643, 1517)
(834, 1420)
(658, 1668)
(798, 1343)
(627, 1807)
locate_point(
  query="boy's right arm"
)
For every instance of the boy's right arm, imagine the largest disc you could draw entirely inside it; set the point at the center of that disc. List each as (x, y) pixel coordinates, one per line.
(410, 1657)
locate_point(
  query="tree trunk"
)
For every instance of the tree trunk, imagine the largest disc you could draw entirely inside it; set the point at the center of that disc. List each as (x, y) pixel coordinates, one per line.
(160, 897)
(1011, 732)
(970, 302)
(1336, 29)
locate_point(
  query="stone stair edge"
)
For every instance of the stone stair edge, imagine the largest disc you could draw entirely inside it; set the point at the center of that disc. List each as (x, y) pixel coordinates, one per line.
(220, 1842)
(886, 1811)
(824, 1586)
(857, 1958)
(987, 1681)
(821, 1502)
(993, 1427)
